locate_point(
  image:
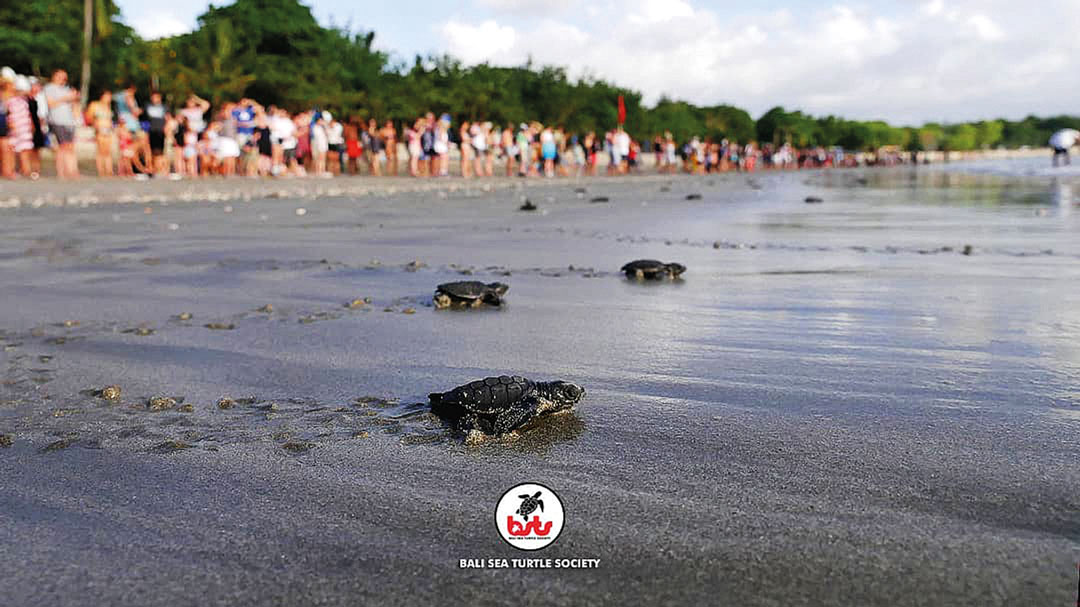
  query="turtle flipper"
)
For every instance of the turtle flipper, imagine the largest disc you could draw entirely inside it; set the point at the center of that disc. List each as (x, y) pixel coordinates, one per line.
(517, 415)
(541, 504)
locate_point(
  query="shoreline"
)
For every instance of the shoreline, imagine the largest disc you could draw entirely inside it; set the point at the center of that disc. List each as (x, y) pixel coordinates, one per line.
(89, 190)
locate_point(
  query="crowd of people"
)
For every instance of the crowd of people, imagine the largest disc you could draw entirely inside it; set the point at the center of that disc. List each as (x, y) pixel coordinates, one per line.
(145, 139)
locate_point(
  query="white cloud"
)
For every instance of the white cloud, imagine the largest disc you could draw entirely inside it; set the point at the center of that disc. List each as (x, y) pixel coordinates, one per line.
(477, 43)
(660, 11)
(546, 7)
(159, 26)
(934, 7)
(936, 61)
(986, 28)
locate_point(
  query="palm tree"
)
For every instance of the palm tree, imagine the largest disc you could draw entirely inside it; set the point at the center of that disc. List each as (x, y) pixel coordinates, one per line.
(92, 9)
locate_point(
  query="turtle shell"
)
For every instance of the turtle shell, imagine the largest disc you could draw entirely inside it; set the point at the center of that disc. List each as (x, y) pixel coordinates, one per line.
(486, 396)
(472, 289)
(645, 265)
(465, 289)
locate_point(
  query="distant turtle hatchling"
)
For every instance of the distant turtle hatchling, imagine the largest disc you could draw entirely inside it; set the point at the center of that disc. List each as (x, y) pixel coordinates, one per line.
(599, 199)
(528, 206)
(498, 405)
(813, 200)
(469, 294)
(651, 269)
(693, 196)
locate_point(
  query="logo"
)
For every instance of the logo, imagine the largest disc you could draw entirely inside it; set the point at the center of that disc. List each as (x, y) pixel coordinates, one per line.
(529, 516)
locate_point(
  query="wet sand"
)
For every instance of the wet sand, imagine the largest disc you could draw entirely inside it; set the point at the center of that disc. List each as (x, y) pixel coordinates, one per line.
(836, 406)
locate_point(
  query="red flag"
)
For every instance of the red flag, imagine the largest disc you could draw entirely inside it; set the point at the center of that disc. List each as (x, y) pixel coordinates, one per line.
(622, 110)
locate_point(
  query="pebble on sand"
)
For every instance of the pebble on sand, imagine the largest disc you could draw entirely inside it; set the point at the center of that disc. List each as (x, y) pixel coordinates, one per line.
(297, 446)
(109, 392)
(63, 443)
(220, 326)
(6, 440)
(226, 403)
(170, 446)
(161, 403)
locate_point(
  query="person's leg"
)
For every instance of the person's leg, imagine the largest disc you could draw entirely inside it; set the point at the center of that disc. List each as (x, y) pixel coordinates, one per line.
(60, 159)
(7, 159)
(99, 156)
(72, 158)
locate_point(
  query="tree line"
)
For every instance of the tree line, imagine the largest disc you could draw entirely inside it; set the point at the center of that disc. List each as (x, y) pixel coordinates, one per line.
(275, 51)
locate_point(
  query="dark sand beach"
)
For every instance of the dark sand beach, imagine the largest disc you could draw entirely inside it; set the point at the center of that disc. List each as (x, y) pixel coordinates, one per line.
(868, 401)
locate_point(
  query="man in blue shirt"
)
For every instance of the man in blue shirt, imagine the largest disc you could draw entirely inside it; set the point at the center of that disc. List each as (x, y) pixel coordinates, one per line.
(244, 115)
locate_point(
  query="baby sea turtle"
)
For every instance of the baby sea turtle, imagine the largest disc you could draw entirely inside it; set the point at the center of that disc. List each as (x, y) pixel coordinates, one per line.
(469, 293)
(813, 200)
(651, 269)
(498, 405)
(528, 206)
(528, 504)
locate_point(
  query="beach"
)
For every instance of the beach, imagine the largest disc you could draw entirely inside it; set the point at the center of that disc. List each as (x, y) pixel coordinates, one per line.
(867, 401)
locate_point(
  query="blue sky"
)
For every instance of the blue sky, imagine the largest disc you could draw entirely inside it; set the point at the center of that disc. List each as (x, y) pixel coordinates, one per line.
(903, 60)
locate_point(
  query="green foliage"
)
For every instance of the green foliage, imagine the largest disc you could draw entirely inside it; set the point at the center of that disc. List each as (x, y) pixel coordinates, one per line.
(960, 137)
(275, 51)
(38, 36)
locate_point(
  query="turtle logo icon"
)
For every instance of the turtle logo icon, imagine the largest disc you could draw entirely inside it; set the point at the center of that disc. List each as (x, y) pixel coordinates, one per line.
(529, 503)
(529, 516)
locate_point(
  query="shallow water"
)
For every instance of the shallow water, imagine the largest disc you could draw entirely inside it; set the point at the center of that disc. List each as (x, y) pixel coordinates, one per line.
(834, 391)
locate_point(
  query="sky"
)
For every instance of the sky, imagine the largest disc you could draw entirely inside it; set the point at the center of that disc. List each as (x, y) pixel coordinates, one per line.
(905, 61)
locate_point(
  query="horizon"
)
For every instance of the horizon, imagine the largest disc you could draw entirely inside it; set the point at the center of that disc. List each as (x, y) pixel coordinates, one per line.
(990, 59)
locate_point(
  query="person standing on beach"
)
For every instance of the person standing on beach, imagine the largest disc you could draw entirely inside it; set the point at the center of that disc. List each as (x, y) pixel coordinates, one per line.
(194, 110)
(412, 141)
(466, 149)
(441, 147)
(39, 113)
(509, 149)
(127, 109)
(20, 123)
(61, 100)
(157, 115)
(1061, 141)
(390, 143)
(99, 114)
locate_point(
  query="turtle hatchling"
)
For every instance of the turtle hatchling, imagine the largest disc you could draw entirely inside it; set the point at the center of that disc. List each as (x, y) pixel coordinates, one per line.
(499, 405)
(528, 504)
(469, 294)
(651, 269)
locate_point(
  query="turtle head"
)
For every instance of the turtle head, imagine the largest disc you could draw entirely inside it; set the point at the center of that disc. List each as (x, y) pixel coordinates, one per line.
(676, 269)
(565, 393)
(499, 288)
